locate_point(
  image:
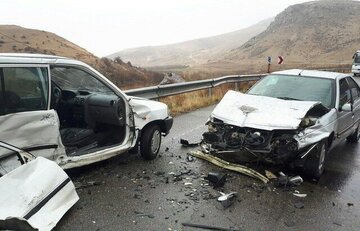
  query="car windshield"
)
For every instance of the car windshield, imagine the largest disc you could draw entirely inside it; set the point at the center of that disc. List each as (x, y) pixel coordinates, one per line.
(290, 87)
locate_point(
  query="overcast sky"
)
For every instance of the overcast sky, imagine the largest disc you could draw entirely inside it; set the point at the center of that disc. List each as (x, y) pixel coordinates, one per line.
(107, 26)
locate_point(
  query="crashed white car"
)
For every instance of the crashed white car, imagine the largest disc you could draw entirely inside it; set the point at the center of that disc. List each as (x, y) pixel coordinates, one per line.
(289, 117)
(66, 111)
(36, 194)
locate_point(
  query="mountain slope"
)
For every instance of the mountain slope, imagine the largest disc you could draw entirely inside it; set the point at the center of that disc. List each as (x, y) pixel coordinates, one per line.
(320, 33)
(190, 52)
(22, 40)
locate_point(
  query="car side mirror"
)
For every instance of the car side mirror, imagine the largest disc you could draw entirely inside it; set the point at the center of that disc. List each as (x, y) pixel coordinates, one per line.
(346, 107)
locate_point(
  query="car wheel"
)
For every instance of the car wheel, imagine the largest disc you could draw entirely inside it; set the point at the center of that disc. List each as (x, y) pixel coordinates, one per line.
(353, 138)
(150, 142)
(315, 162)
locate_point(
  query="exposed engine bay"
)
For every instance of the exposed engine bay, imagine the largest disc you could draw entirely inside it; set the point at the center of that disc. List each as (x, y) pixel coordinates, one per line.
(239, 123)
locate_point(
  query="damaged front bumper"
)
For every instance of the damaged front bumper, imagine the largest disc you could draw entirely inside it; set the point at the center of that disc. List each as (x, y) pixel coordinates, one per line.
(276, 146)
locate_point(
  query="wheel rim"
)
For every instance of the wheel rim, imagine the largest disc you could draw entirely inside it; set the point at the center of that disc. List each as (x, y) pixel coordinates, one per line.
(322, 158)
(155, 141)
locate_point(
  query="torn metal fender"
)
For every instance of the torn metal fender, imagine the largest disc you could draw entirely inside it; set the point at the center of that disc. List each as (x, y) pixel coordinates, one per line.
(230, 166)
(35, 196)
(146, 111)
(321, 130)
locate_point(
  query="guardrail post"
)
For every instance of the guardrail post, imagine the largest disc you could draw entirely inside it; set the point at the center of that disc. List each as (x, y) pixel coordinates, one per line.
(236, 86)
(210, 92)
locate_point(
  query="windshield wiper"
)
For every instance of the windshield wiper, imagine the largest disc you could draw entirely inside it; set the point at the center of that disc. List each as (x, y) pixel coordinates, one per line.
(287, 98)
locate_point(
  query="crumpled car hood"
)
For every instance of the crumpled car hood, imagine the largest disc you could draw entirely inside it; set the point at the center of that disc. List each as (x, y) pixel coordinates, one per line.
(261, 112)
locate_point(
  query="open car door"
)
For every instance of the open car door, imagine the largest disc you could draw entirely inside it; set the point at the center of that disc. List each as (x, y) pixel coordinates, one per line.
(35, 195)
(25, 118)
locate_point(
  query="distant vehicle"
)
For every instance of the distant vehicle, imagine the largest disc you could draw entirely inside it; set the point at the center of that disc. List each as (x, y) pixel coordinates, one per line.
(290, 117)
(356, 64)
(66, 111)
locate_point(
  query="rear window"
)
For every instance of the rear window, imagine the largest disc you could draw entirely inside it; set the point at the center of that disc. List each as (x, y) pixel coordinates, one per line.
(23, 89)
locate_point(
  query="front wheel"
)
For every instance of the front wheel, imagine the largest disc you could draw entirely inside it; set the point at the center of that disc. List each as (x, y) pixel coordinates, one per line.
(150, 142)
(315, 162)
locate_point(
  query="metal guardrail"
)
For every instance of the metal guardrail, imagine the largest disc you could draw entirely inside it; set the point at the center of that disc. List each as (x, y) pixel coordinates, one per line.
(156, 92)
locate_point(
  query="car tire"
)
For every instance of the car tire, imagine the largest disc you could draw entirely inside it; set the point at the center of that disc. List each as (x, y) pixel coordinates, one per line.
(354, 138)
(315, 162)
(150, 142)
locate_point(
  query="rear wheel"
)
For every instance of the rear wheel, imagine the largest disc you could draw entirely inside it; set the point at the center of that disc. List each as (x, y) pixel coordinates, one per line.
(315, 163)
(150, 142)
(353, 138)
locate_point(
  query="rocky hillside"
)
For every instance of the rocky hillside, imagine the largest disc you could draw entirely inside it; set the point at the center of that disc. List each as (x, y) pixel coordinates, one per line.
(22, 40)
(192, 52)
(319, 33)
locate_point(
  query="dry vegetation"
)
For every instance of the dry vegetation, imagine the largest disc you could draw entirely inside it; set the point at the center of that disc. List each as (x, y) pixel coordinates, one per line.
(195, 100)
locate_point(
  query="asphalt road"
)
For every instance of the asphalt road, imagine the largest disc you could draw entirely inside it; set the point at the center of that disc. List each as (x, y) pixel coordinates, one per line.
(127, 193)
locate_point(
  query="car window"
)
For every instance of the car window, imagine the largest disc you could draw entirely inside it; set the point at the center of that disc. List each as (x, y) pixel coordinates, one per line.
(355, 91)
(8, 160)
(70, 78)
(297, 88)
(345, 95)
(23, 89)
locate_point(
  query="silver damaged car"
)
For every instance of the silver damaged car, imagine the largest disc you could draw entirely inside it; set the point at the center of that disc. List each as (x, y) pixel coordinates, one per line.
(290, 117)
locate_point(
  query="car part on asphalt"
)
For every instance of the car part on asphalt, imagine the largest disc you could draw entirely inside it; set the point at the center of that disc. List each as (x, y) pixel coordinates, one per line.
(209, 227)
(230, 166)
(186, 143)
(227, 200)
(217, 179)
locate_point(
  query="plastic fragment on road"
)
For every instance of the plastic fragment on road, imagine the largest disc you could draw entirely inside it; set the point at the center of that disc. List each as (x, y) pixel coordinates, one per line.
(286, 181)
(186, 143)
(217, 179)
(301, 195)
(227, 199)
(230, 166)
(270, 175)
(209, 227)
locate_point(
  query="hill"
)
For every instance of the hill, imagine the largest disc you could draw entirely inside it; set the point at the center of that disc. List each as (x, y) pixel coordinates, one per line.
(191, 52)
(22, 40)
(312, 34)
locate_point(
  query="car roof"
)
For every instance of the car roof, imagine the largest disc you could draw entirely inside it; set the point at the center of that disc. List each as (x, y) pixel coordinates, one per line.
(35, 58)
(312, 73)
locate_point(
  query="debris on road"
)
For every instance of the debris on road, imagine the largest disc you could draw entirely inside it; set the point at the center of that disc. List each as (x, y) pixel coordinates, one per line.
(299, 205)
(286, 181)
(230, 166)
(207, 227)
(189, 158)
(80, 185)
(227, 199)
(186, 143)
(301, 195)
(270, 175)
(217, 179)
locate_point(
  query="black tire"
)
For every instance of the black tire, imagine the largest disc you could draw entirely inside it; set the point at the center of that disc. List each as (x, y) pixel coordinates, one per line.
(315, 162)
(150, 142)
(354, 138)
